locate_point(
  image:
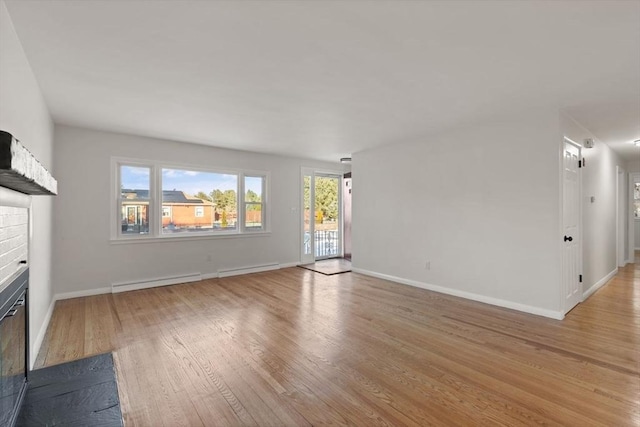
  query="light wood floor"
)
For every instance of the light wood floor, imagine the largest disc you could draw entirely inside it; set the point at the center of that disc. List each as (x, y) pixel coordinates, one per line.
(297, 348)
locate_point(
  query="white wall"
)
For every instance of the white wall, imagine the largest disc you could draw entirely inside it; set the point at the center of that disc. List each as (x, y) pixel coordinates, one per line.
(14, 239)
(599, 178)
(24, 114)
(86, 260)
(480, 204)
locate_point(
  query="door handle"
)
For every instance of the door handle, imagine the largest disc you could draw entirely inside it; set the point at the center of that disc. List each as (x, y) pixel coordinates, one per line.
(570, 239)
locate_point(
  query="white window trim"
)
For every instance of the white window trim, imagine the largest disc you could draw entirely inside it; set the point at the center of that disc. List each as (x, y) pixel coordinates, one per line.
(263, 203)
(155, 196)
(116, 200)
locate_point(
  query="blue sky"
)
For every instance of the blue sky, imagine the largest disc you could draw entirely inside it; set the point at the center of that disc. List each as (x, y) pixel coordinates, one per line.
(190, 182)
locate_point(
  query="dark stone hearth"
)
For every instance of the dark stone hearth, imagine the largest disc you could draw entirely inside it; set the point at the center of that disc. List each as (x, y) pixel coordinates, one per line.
(79, 393)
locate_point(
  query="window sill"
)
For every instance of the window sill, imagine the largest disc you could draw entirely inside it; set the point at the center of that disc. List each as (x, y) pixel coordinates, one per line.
(156, 239)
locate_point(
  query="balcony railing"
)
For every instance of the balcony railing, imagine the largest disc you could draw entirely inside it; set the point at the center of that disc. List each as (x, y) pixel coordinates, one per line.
(326, 243)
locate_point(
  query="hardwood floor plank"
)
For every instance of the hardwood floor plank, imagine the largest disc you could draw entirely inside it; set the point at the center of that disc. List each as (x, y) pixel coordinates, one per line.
(296, 348)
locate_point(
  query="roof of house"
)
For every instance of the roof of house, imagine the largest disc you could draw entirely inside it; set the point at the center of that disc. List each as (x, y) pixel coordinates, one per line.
(168, 196)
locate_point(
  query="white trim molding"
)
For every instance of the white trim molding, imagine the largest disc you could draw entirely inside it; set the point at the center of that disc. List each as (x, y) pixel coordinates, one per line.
(557, 315)
(84, 293)
(135, 285)
(35, 349)
(289, 264)
(247, 270)
(600, 283)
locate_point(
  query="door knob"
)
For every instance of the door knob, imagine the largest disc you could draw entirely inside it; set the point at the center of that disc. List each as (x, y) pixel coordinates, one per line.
(570, 239)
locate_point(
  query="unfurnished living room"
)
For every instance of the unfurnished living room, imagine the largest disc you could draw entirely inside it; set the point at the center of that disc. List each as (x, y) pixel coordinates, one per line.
(301, 213)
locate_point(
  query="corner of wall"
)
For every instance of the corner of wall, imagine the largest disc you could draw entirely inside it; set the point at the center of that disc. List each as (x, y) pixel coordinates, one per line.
(24, 113)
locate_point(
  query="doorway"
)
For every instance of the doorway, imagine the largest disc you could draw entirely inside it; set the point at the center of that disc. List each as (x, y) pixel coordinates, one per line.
(633, 210)
(621, 222)
(321, 215)
(572, 236)
(346, 209)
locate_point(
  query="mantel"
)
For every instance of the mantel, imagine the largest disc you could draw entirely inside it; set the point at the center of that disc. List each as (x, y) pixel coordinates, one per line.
(20, 171)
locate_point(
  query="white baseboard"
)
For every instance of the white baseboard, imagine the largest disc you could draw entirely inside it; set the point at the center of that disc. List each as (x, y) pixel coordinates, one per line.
(600, 283)
(33, 354)
(84, 293)
(155, 282)
(289, 264)
(248, 270)
(467, 295)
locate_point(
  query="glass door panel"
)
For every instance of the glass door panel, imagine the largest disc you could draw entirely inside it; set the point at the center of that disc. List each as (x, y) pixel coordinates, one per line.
(327, 216)
(307, 243)
(321, 215)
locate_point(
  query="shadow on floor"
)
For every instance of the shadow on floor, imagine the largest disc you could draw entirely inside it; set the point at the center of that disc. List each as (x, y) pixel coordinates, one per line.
(329, 267)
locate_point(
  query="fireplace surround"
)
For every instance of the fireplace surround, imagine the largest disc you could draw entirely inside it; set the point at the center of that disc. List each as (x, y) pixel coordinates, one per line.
(14, 349)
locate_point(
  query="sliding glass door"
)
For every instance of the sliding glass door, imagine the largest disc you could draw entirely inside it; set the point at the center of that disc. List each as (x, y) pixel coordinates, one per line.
(321, 215)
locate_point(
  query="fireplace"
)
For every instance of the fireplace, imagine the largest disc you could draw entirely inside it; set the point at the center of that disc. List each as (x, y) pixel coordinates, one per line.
(14, 354)
(20, 172)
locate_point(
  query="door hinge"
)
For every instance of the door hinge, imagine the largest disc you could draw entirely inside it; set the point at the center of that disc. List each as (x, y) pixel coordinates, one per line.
(581, 278)
(579, 163)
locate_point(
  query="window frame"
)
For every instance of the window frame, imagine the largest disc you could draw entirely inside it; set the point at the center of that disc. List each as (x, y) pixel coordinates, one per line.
(262, 203)
(118, 199)
(155, 202)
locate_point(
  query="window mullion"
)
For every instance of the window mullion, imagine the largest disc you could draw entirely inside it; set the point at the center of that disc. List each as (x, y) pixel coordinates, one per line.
(241, 204)
(155, 203)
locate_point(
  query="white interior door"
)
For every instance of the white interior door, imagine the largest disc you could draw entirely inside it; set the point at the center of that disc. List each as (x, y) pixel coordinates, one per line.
(621, 217)
(571, 259)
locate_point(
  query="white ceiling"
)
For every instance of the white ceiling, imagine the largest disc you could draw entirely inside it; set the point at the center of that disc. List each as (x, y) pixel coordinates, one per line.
(325, 79)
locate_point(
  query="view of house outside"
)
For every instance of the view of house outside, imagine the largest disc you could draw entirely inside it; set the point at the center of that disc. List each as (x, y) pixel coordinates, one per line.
(191, 201)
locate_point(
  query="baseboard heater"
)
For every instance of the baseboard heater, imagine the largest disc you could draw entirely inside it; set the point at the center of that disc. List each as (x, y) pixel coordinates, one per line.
(246, 270)
(152, 283)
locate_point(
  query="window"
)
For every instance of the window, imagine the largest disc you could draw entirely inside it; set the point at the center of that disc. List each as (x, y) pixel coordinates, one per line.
(165, 201)
(253, 202)
(135, 197)
(199, 201)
